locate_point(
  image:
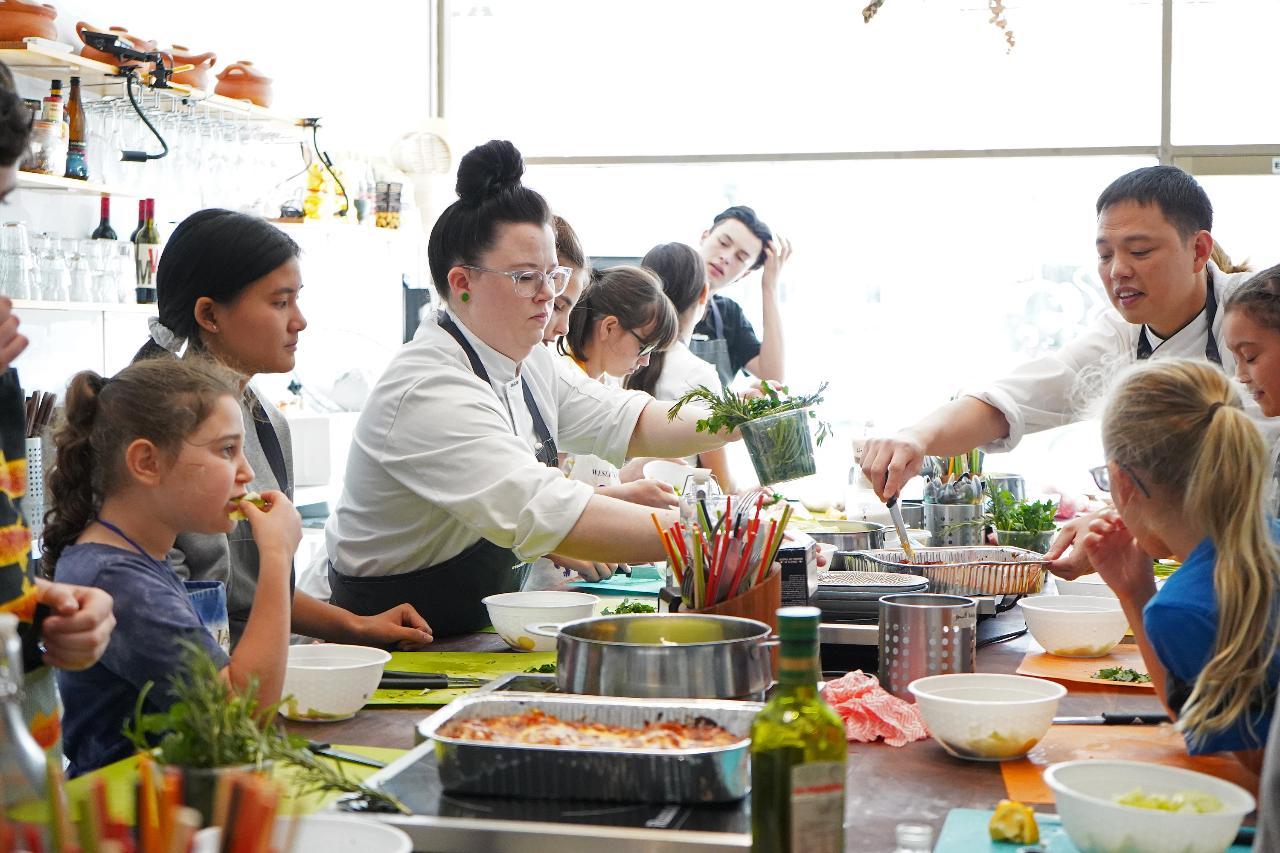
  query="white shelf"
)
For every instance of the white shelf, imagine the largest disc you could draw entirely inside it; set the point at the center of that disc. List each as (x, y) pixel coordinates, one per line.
(101, 307)
(53, 183)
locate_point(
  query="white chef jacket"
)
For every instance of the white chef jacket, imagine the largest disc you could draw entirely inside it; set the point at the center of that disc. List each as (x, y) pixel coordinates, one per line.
(435, 464)
(682, 371)
(587, 467)
(1061, 387)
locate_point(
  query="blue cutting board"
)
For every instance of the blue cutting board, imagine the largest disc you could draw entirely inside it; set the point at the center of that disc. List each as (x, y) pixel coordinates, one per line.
(643, 580)
(965, 831)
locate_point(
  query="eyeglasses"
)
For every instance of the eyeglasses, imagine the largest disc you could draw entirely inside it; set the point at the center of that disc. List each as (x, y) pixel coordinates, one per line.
(529, 282)
(1102, 477)
(645, 348)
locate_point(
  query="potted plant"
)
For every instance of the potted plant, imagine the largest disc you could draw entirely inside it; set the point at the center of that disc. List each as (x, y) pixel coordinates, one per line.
(212, 730)
(1022, 524)
(774, 426)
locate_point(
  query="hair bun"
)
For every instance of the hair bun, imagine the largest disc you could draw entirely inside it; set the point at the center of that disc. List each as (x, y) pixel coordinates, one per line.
(488, 169)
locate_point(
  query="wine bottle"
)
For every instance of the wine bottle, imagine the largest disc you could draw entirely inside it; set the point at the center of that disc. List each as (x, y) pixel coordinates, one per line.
(142, 220)
(77, 163)
(146, 247)
(104, 231)
(51, 108)
(798, 752)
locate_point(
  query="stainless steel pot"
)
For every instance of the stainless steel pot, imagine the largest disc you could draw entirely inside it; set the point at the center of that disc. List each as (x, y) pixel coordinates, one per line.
(850, 535)
(677, 655)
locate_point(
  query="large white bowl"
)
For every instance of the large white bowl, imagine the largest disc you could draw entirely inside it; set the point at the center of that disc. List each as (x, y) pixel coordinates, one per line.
(512, 612)
(1085, 585)
(1075, 626)
(1094, 823)
(986, 716)
(321, 833)
(328, 681)
(667, 471)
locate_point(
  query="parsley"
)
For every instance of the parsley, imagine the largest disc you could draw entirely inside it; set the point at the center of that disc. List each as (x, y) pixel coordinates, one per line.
(728, 411)
(546, 667)
(1008, 513)
(1122, 673)
(629, 606)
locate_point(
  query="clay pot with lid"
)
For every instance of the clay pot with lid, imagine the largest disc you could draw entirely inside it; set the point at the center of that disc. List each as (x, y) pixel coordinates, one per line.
(197, 77)
(19, 20)
(242, 81)
(138, 42)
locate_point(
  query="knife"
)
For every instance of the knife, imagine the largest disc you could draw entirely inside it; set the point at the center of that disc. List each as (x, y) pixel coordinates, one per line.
(1115, 718)
(329, 752)
(895, 512)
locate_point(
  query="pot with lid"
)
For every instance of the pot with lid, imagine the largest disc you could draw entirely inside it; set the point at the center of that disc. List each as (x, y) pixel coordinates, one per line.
(651, 656)
(19, 20)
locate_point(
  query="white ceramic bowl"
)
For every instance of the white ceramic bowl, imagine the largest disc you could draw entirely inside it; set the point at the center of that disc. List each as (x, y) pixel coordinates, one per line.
(512, 612)
(674, 473)
(1075, 626)
(1085, 585)
(986, 716)
(1094, 823)
(323, 833)
(329, 681)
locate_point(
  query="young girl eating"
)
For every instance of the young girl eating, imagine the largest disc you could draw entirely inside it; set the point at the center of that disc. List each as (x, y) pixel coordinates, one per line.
(151, 452)
(1186, 468)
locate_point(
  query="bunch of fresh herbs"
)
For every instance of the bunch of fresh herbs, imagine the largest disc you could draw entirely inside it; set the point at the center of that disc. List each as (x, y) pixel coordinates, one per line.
(728, 410)
(1005, 512)
(1122, 673)
(629, 606)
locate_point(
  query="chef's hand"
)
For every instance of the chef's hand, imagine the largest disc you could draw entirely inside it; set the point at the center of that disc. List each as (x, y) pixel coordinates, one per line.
(586, 569)
(889, 463)
(654, 493)
(1118, 558)
(1071, 536)
(776, 255)
(278, 528)
(401, 627)
(77, 632)
(11, 342)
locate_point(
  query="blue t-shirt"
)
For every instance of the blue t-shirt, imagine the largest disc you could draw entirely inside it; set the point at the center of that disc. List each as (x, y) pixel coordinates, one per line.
(152, 612)
(1182, 624)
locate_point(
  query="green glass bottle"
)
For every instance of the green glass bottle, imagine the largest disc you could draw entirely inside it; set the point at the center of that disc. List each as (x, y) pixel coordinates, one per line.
(797, 752)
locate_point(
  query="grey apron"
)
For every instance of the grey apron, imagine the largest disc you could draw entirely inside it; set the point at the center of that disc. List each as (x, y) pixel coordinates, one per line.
(714, 351)
(448, 594)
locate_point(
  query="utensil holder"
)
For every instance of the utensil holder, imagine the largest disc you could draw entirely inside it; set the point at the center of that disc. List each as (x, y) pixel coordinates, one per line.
(33, 502)
(1014, 484)
(924, 634)
(953, 524)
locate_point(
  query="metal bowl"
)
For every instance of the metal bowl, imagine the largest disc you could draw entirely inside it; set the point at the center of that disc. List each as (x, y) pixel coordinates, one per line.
(849, 535)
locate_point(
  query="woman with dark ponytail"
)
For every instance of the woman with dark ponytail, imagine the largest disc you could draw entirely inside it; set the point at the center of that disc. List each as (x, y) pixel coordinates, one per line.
(154, 451)
(452, 479)
(227, 287)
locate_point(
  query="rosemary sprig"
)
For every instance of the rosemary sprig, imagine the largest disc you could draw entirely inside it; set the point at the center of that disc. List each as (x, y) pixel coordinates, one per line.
(313, 776)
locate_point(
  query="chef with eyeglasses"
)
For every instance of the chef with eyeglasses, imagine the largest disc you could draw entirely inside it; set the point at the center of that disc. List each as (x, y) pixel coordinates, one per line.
(452, 479)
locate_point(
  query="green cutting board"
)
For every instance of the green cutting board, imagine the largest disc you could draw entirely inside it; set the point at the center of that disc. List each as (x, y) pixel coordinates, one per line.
(965, 831)
(486, 665)
(122, 777)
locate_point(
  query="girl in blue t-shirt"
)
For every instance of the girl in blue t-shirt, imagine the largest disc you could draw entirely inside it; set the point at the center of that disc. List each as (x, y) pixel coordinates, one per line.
(1187, 470)
(154, 451)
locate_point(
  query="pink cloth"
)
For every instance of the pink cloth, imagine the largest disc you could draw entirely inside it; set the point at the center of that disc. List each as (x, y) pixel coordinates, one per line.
(869, 711)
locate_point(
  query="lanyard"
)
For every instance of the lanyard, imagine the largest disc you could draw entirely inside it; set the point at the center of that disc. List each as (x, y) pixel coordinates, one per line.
(545, 449)
(1210, 312)
(117, 531)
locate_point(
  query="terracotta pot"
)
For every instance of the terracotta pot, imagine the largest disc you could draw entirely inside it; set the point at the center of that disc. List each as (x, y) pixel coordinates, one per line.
(19, 20)
(242, 81)
(138, 43)
(203, 62)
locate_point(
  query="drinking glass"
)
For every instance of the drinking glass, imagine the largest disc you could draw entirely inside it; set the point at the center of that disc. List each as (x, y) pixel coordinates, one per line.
(55, 276)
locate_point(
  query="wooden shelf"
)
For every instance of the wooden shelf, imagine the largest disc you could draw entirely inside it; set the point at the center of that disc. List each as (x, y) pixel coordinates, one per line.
(53, 183)
(101, 307)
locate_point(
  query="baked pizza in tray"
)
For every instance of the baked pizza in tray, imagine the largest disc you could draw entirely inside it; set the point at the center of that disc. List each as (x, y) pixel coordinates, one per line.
(538, 728)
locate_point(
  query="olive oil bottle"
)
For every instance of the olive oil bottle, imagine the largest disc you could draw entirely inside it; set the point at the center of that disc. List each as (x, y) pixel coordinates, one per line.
(797, 752)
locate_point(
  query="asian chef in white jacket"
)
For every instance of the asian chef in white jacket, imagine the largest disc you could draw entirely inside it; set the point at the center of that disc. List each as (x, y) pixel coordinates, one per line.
(452, 479)
(1153, 246)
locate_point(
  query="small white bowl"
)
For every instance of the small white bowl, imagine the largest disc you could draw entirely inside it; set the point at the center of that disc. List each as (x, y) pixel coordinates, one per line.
(986, 716)
(1075, 626)
(328, 681)
(1085, 585)
(1084, 791)
(674, 473)
(512, 612)
(323, 833)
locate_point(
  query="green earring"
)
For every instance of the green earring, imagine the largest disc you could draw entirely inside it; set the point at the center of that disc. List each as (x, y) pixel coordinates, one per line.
(466, 297)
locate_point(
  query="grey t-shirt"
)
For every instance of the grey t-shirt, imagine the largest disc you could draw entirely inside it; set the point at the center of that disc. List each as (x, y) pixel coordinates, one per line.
(233, 557)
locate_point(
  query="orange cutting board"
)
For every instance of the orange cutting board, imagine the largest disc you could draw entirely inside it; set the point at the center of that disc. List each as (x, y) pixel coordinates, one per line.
(1043, 665)
(1161, 744)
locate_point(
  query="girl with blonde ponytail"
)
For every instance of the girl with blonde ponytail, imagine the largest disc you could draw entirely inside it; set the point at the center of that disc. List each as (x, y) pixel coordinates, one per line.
(1187, 470)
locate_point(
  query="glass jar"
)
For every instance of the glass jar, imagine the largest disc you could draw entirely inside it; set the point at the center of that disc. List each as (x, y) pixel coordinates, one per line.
(48, 151)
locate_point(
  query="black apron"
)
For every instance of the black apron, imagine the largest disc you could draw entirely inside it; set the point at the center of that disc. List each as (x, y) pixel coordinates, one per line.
(1210, 313)
(715, 351)
(448, 595)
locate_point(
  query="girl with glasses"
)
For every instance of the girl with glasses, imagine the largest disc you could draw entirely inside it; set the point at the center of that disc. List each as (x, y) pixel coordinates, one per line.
(1187, 469)
(453, 479)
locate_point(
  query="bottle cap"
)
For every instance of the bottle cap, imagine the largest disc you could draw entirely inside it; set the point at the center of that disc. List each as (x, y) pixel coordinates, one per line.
(798, 624)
